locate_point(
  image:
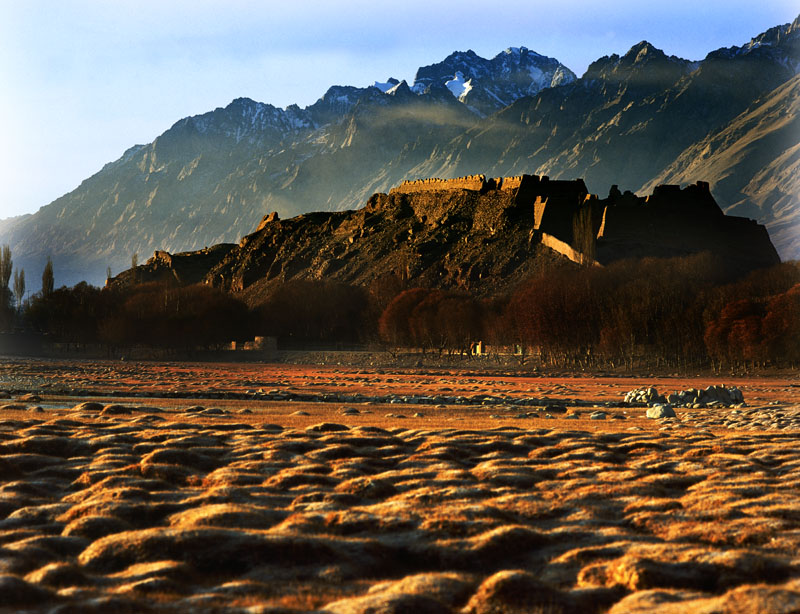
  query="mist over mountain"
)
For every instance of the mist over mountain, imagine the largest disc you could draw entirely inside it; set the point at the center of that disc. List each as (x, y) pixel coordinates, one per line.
(635, 120)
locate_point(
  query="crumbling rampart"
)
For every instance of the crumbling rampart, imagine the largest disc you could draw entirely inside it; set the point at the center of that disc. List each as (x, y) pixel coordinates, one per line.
(671, 221)
(540, 185)
(476, 183)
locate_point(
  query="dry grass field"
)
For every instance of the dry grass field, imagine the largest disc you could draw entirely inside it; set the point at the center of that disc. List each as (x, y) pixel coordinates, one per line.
(169, 487)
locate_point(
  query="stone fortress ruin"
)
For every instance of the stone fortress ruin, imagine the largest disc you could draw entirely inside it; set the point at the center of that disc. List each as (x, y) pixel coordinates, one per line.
(474, 233)
(585, 228)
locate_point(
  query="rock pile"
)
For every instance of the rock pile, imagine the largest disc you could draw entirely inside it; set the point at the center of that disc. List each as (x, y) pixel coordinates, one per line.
(647, 396)
(693, 398)
(709, 397)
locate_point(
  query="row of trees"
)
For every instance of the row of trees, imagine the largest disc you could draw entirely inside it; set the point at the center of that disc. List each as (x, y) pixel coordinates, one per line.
(155, 315)
(757, 331)
(673, 313)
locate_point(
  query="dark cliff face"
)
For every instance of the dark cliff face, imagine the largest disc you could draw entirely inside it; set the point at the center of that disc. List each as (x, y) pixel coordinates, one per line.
(484, 241)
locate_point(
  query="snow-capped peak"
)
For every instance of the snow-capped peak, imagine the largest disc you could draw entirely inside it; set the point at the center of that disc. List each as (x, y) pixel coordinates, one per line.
(390, 83)
(486, 86)
(518, 51)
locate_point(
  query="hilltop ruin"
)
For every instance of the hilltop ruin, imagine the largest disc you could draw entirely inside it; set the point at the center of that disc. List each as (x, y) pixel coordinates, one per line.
(476, 233)
(671, 221)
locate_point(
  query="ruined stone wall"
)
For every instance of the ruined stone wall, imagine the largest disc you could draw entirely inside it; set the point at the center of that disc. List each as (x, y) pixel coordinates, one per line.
(668, 213)
(555, 204)
(671, 221)
(511, 183)
(477, 183)
(565, 249)
(161, 257)
(648, 231)
(694, 199)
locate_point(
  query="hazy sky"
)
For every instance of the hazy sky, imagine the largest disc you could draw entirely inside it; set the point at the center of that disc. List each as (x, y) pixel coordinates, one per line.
(83, 80)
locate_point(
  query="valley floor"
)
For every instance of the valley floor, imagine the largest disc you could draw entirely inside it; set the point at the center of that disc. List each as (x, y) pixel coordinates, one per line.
(171, 487)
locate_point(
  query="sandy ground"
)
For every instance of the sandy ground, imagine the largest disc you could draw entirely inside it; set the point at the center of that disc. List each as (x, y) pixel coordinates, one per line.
(135, 487)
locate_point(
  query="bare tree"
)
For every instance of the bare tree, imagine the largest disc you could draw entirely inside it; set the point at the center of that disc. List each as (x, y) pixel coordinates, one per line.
(5, 266)
(6, 310)
(48, 280)
(583, 236)
(19, 286)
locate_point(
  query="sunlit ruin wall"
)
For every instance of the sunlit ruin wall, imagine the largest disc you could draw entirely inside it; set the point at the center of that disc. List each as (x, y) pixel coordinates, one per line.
(554, 202)
(539, 184)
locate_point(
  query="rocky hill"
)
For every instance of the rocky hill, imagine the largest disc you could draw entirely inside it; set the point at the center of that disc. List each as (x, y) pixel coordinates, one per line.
(472, 233)
(629, 120)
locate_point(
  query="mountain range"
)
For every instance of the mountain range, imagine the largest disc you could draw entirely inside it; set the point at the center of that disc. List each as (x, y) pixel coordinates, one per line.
(636, 120)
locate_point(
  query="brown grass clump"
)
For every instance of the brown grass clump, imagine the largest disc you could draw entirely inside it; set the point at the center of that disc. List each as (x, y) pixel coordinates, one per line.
(505, 543)
(95, 527)
(367, 488)
(59, 575)
(87, 406)
(641, 573)
(46, 445)
(221, 551)
(516, 592)
(742, 600)
(229, 515)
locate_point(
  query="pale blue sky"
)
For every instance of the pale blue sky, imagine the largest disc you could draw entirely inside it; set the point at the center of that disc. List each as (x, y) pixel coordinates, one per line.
(83, 80)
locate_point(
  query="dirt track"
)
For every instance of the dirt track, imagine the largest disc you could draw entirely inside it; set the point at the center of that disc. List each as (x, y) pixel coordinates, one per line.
(135, 487)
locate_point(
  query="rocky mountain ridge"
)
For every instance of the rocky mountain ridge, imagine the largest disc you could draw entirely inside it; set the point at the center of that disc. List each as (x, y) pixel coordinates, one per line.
(210, 178)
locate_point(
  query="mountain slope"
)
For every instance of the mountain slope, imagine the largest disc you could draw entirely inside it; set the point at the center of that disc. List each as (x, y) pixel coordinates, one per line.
(210, 178)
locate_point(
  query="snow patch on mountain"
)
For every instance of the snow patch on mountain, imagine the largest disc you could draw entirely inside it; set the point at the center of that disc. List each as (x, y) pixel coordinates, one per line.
(389, 84)
(458, 85)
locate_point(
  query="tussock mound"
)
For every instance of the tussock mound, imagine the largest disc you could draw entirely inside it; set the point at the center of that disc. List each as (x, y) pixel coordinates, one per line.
(59, 575)
(516, 592)
(750, 599)
(227, 515)
(222, 551)
(95, 527)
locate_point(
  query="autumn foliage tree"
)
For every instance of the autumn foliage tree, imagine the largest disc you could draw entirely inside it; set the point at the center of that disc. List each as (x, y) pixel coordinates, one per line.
(432, 319)
(756, 331)
(394, 325)
(781, 326)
